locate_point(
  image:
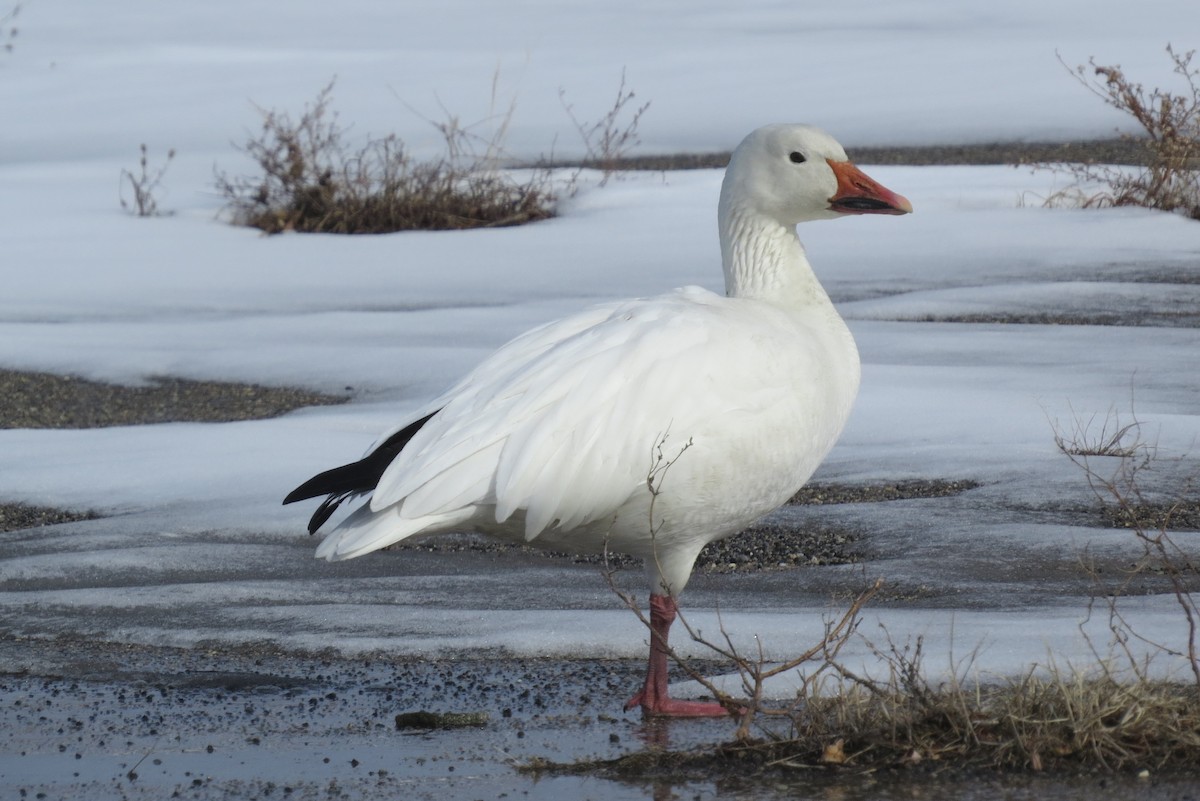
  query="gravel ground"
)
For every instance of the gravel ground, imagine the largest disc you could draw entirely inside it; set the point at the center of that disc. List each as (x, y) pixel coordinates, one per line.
(45, 400)
(17, 516)
(763, 546)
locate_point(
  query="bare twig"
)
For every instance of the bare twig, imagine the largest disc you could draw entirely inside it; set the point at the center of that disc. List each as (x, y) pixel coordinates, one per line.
(144, 184)
(609, 139)
(1120, 487)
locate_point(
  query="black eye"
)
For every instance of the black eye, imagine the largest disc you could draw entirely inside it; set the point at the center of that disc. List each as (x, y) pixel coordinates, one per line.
(797, 157)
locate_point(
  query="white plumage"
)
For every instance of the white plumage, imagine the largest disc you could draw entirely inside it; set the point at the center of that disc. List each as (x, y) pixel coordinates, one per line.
(651, 426)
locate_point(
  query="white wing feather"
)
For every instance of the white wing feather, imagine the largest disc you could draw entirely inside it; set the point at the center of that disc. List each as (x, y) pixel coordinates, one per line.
(559, 422)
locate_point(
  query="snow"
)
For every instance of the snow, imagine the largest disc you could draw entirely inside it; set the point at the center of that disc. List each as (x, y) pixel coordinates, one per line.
(196, 545)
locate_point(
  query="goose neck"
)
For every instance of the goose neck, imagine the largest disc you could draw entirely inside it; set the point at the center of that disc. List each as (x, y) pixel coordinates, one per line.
(764, 259)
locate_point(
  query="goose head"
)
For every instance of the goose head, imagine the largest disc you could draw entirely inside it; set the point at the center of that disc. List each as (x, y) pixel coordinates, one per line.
(797, 173)
(781, 175)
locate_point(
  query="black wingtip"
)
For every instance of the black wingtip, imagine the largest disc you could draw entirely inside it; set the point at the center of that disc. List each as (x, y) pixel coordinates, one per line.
(356, 478)
(325, 511)
(330, 482)
(336, 485)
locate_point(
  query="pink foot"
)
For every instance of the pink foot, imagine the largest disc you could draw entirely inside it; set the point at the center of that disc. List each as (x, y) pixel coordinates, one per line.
(673, 708)
(653, 698)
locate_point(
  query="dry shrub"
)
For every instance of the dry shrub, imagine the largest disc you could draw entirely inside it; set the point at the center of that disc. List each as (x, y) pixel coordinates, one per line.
(607, 141)
(1170, 125)
(1111, 435)
(143, 185)
(313, 181)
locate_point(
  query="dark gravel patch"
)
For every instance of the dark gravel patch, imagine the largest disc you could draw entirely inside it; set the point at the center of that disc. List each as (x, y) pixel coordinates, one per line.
(763, 546)
(1102, 151)
(18, 516)
(766, 546)
(1134, 273)
(909, 489)
(1183, 515)
(1134, 319)
(46, 400)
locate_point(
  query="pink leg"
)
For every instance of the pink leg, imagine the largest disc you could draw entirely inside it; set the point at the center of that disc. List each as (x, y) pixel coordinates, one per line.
(653, 697)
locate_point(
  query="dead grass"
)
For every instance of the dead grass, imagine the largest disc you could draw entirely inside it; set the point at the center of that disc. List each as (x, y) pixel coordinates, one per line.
(1060, 722)
(1170, 129)
(1057, 718)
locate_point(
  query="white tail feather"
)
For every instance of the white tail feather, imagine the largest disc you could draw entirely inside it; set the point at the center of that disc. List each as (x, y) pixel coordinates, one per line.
(365, 531)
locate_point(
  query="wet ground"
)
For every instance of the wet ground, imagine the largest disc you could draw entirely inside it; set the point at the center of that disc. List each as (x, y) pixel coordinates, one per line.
(90, 720)
(252, 703)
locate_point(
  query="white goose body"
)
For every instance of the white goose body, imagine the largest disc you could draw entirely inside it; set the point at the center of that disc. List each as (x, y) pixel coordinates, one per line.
(652, 426)
(556, 438)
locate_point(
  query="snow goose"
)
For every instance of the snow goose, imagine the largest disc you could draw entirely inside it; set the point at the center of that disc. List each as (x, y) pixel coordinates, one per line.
(648, 427)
